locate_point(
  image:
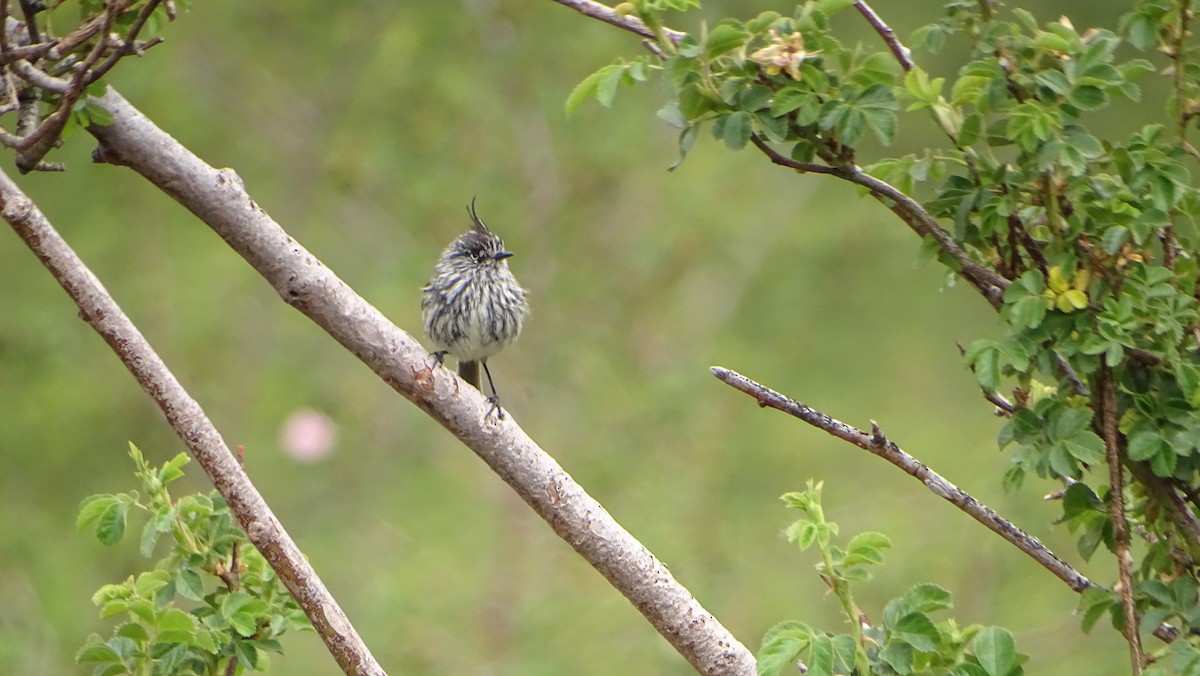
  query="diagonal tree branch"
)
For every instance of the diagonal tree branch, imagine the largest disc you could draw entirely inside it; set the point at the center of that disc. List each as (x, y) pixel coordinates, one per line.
(219, 199)
(189, 421)
(876, 443)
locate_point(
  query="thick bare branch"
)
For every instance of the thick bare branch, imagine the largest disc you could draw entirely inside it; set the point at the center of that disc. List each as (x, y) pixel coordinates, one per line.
(220, 200)
(189, 421)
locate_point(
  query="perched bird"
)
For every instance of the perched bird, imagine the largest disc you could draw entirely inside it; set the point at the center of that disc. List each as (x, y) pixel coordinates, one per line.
(473, 307)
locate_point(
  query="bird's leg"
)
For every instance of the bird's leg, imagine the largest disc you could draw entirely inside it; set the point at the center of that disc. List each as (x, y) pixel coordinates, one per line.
(495, 398)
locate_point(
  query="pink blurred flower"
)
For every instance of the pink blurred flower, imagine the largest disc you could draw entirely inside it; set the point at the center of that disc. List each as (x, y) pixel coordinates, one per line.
(308, 435)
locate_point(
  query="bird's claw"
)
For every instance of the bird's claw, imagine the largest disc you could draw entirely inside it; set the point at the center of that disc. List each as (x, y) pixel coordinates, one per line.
(494, 408)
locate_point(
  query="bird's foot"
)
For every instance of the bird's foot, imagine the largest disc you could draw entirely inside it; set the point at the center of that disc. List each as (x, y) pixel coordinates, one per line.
(494, 408)
(438, 357)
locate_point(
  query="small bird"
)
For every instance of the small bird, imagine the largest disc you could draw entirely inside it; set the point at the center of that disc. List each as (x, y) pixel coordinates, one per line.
(473, 307)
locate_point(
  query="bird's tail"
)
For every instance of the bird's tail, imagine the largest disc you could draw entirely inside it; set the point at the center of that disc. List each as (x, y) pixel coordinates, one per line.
(469, 371)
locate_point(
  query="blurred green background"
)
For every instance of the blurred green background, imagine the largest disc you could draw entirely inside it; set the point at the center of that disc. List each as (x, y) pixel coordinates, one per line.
(364, 128)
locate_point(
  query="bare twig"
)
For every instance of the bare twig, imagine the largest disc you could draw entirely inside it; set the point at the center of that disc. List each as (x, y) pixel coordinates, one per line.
(986, 281)
(876, 443)
(902, 53)
(220, 200)
(127, 46)
(189, 421)
(30, 8)
(37, 143)
(84, 32)
(630, 23)
(1066, 371)
(1116, 480)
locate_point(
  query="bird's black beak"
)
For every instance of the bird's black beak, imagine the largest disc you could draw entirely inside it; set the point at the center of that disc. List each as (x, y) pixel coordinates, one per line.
(502, 255)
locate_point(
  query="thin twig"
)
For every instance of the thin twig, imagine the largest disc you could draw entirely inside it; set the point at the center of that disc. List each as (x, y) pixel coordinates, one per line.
(876, 443)
(1116, 480)
(1067, 371)
(986, 281)
(84, 32)
(902, 53)
(627, 22)
(189, 421)
(37, 143)
(127, 45)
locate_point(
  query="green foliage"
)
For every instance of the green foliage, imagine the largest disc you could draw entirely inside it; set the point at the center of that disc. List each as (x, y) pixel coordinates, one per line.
(233, 605)
(1094, 236)
(906, 641)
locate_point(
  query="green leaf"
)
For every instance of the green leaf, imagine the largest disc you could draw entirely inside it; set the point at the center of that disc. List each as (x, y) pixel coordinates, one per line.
(987, 368)
(1142, 31)
(1114, 238)
(968, 89)
(98, 115)
(584, 90)
(1087, 97)
(922, 598)
(189, 585)
(831, 7)
(148, 539)
(1093, 604)
(110, 526)
(790, 98)
(96, 651)
(151, 581)
(803, 533)
(918, 631)
(1188, 377)
(1069, 422)
(924, 90)
(606, 86)
(134, 631)
(737, 130)
(694, 101)
(820, 657)
(687, 139)
(724, 38)
(247, 653)
(91, 509)
(866, 548)
(1086, 447)
(996, 651)
(1146, 444)
(782, 646)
